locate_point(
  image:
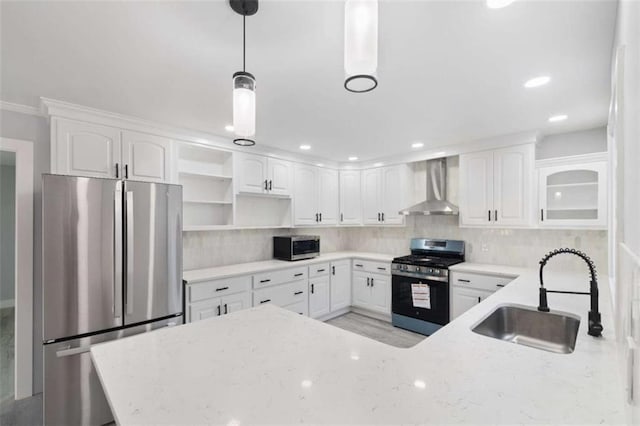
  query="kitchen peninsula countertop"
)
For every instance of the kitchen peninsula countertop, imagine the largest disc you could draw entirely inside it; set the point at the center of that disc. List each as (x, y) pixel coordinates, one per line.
(269, 365)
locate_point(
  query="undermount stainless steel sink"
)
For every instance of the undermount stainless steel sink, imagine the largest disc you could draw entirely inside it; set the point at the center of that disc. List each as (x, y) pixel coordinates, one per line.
(524, 325)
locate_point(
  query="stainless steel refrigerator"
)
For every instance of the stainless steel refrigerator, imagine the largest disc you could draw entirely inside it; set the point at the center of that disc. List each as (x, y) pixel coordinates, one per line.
(112, 267)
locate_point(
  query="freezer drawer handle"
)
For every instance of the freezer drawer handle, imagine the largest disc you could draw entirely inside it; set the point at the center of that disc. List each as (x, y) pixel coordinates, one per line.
(73, 351)
(222, 288)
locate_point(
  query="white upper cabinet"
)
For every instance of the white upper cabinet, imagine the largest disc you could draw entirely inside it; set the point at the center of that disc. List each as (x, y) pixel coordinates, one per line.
(280, 177)
(93, 150)
(328, 196)
(258, 174)
(573, 195)
(384, 193)
(350, 198)
(496, 187)
(146, 157)
(83, 149)
(305, 195)
(315, 195)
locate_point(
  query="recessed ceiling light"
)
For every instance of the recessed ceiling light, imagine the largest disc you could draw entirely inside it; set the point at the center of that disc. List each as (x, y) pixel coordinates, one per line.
(305, 147)
(420, 384)
(378, 164)
(498, 4)
(228, 128)
(306, 383)
(417, 145)
(353, 158)
(320, 165)
(537, 81)
(556, 118)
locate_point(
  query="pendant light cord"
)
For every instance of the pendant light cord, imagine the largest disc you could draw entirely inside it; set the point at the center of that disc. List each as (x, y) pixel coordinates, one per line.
(244, 42)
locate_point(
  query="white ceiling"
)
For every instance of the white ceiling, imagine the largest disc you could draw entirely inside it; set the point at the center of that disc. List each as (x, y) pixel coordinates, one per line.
(449, 71)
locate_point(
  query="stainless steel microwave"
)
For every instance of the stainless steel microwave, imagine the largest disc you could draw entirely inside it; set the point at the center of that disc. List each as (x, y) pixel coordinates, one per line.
(296, 247)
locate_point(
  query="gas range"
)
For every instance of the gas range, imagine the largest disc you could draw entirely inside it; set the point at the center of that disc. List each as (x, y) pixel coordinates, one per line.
(420, 284)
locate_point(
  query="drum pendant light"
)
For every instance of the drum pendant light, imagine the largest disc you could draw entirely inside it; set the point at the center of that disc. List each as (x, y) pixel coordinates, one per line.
(360, 45)
(244, 84)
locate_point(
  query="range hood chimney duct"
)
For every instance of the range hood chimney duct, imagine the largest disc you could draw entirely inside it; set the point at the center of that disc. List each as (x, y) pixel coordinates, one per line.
(436, 202)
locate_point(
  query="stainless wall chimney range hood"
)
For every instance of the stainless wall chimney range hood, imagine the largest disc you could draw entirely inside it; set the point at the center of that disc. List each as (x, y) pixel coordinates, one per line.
(436, 202)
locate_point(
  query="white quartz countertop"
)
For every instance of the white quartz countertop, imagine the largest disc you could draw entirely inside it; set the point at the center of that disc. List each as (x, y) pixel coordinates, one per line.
(267, 365)
(488, 269)
(197, 275)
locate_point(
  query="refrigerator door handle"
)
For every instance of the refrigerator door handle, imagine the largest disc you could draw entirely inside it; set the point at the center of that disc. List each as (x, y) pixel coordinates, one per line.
(117, 248)
(73, 351)
(128, 301)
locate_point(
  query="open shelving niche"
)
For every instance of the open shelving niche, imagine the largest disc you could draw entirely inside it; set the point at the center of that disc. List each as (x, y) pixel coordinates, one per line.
(206, 176)
(210, 202)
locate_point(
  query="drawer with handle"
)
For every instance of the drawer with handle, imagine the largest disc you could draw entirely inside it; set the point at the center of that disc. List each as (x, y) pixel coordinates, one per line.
(480, 281)
(301, 308)
(217, 288)
(319, 269)
(371, 266)
(282, 295)
(267, 279)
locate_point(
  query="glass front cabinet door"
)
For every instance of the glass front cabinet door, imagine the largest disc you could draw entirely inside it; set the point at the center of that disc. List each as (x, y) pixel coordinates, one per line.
(573, 196)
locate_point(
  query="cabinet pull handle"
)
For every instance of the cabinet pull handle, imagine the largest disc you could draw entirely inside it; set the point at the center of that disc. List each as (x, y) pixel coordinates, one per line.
(226, 311)
(495, 215)
(381, 268)
(378, 217)
(321, 270)
(371, 282)
(299, 274)
(382, 216)
(264, 281)
(464, 281)
(265, 301)
(298, 292)
(358, 265)
(333, 270)
(126, 171)
(218, 310)
(312, 289)
(320, 217)
(499, 285)
(266, 187)
(479, 299)
(489, 215)
(117, 171)
(222, 288)
(270, 185)
(316, 217)
(541, 215)
(368, 281)
(341, 217)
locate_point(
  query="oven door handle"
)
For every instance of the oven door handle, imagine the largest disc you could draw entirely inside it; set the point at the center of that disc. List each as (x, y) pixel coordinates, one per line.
(439, 280)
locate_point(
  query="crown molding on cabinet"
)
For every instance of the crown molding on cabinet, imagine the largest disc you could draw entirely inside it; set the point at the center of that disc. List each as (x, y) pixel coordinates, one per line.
(53, 107)
(573, 159)
(20, 108)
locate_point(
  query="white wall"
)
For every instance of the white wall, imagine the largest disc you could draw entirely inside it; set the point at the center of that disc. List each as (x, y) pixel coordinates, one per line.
(35, 129)
(7, 234)
(573, 143)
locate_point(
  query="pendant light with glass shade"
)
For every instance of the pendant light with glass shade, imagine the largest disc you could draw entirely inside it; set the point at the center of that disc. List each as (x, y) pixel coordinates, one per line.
(360, 45)
(244, 84)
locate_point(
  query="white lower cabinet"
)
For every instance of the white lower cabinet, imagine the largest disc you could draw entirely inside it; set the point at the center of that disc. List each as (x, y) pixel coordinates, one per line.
(218, 306)
(340, 285)
(469, 289)
(236, 302)
(217, 297)
(465, 299)
(319, 296)
(372, 291)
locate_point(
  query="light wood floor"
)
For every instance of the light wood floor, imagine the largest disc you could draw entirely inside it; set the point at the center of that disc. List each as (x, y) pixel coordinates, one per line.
(377, 330)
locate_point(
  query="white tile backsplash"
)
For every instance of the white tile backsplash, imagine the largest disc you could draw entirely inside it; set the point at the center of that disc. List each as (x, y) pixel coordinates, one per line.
(514, 247)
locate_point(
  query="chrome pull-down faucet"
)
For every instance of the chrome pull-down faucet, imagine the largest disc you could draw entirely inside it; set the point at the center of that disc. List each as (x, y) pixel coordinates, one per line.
(595, 324)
